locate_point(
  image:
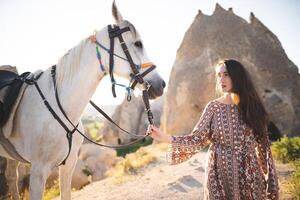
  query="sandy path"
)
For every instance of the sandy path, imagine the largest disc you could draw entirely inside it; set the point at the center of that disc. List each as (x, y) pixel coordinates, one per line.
(157, 181)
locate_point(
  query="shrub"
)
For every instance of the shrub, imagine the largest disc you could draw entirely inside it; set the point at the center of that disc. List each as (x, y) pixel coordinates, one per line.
(294, 181)
(287, 149)
(133, 148)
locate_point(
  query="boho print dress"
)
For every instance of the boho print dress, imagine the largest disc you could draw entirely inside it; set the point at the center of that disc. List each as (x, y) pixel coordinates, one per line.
(238, 167)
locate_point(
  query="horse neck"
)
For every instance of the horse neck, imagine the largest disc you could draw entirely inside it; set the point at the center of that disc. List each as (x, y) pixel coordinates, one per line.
(78, 77)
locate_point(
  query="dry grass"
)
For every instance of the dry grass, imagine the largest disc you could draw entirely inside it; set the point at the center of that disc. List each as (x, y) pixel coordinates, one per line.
(287, 150)
(124, 169)
(284, 172)
(131, 164)
(52, 192)
(93, 128)
(294, 180)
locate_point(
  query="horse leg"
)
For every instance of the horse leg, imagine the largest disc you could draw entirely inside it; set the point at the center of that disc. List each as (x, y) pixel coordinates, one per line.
(12, 176)
(66, 171)
(65, 176)
(38, 177)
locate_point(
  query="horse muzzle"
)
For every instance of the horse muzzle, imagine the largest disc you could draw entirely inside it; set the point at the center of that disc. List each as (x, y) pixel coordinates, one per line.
(156, 88)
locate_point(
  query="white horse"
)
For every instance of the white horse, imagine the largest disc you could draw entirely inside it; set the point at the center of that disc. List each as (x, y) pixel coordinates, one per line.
(38, 137)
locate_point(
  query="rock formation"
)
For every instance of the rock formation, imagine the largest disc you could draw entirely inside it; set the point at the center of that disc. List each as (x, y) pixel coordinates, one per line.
(225, 35)
(132, 117)
(97, 160)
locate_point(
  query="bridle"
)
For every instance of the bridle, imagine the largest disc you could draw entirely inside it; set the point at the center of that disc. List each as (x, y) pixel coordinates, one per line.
(136, 77)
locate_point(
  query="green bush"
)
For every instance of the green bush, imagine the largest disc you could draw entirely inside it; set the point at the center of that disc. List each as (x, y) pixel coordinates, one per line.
(132, 148)
(287, 149)
(294, 181)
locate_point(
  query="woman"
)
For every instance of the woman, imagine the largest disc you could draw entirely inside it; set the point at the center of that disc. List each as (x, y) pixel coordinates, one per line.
(240, 164)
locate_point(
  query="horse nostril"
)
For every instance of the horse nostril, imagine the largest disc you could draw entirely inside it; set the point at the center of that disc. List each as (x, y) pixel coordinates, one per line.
(163, 84)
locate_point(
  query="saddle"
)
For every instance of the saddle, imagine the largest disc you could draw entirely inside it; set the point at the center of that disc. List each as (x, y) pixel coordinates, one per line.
(10, 85)
(7, 77)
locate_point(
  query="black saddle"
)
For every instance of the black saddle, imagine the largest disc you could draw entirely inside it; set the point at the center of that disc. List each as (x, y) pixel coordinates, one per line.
(10, 85)
(7, 77)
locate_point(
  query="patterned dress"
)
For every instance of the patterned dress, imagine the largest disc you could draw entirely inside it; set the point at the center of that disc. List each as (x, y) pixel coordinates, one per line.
(238, 166)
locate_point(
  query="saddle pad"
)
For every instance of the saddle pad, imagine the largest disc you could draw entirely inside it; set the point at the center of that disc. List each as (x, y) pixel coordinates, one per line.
(8, 127)
(9, 68)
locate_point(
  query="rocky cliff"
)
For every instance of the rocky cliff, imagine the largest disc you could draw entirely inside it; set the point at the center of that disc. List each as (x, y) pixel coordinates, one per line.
(132, 117)
(225, 35)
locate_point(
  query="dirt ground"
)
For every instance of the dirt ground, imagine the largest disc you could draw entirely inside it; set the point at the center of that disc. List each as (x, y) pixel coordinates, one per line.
(160, 181)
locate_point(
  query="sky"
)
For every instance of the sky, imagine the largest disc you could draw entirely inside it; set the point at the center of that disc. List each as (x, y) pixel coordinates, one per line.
(36, 33)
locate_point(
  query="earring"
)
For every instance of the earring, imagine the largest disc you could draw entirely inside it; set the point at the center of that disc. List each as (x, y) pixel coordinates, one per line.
(235, 98)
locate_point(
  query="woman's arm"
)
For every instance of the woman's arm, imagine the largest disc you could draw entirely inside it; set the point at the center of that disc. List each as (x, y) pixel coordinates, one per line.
(184, 147)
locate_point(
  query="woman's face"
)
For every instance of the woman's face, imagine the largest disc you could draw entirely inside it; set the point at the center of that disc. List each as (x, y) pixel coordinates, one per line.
(223, 78)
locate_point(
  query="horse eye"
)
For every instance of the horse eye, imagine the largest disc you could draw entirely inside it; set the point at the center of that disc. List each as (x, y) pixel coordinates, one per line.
(138, 44)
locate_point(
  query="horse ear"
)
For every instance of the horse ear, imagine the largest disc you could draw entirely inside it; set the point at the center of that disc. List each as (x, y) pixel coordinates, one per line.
(116, 14)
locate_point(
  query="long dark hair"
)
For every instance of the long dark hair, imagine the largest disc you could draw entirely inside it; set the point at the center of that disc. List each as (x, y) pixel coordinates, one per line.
(250, 106)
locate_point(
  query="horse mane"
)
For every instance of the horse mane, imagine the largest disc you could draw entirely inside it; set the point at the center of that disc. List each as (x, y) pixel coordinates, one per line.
(69, 64)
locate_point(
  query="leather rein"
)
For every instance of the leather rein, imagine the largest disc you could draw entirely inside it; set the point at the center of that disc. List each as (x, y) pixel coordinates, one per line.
(136, 77)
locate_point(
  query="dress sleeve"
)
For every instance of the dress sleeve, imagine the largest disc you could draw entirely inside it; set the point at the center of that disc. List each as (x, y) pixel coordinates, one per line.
(184, 147)
(267, 165)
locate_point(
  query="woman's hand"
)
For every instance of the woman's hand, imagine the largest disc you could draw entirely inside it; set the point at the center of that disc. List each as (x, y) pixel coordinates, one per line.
(158, 135)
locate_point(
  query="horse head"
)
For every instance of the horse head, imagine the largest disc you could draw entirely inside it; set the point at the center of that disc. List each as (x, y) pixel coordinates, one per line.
(127, 56)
